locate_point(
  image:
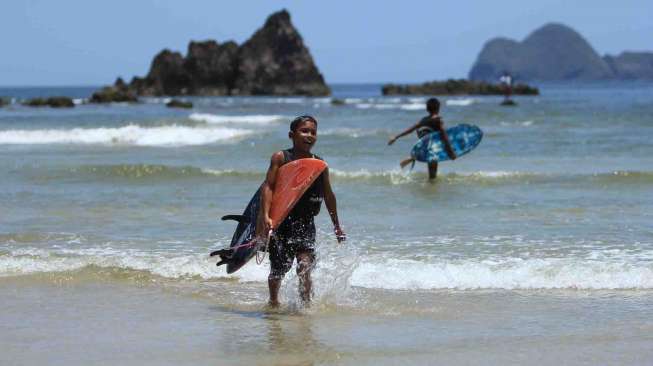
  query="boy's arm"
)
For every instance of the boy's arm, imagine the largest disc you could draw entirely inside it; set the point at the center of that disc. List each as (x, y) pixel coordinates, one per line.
(445, 140)
(330, 202)
(409, 130)
(264, 223)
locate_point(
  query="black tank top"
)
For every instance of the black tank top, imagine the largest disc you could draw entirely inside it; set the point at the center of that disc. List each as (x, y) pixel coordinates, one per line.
(310, 203)
(428, 125)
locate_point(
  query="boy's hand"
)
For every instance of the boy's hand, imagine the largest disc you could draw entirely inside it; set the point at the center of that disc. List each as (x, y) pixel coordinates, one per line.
(340, 235)
(267, 224)
(263, 227)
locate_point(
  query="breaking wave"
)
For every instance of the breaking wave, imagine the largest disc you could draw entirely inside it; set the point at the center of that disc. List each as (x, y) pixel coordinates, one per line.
(258, 119)
(375, 271)
(135, 135)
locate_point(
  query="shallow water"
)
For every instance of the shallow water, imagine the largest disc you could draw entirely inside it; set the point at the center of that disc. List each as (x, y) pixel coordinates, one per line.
(537, 241)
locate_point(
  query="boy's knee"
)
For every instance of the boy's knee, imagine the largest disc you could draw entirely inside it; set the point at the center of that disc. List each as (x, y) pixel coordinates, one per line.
(305, 262)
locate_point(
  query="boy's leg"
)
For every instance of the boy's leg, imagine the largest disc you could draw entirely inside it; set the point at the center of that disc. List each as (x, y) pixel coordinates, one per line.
(405, 162)
(274, 283)
(305, 261)
(280, 262)
(433, 169)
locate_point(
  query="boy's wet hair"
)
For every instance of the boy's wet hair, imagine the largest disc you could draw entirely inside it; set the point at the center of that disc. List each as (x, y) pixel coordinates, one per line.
(433, 105)
(295, 122)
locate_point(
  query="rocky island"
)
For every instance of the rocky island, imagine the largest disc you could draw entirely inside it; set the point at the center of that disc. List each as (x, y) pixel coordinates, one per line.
(455, 87)
(274, 61)
(556, 52)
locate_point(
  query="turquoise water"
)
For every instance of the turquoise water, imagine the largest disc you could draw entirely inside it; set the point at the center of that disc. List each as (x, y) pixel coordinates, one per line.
(557, 197)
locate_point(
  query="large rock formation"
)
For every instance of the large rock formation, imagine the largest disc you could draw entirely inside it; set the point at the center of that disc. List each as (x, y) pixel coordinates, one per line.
(553, 52)
(631, 65)
(274, 61)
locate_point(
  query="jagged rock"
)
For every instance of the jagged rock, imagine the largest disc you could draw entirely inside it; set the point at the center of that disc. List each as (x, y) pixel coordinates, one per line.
(455, 87)
(167, 76)
(54, 102)
(552, 52)
(4, 101)
(119, 92)
(273, 61)
(631, 65)
(336, 101)
(212, 67)
(179, 104)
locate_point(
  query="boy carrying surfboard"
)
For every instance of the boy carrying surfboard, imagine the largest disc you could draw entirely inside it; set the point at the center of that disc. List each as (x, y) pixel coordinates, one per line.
(295, 236)
(429, 124)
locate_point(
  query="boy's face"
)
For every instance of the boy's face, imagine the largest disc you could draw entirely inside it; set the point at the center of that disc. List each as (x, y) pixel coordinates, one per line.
(304, 136)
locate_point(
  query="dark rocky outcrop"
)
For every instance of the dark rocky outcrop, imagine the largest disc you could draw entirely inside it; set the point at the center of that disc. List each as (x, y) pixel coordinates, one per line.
(212, 67)
(54, 102)
(4, 101)
(552, 52)
(175, 103)
(274, 61)
(631, 65)
(118, 92)
(455, 87)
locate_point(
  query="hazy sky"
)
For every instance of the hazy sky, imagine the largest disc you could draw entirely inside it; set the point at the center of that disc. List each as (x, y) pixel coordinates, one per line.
(89, 42)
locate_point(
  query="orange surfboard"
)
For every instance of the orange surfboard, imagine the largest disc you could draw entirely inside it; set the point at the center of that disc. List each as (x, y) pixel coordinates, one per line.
(293, 180)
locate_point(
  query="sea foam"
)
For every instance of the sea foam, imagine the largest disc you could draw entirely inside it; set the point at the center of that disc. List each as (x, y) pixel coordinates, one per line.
(173, 135)
(377, 271)
(259, 119)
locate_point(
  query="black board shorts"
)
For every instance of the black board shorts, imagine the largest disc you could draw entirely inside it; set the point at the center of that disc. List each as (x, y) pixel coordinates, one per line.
(293, 236)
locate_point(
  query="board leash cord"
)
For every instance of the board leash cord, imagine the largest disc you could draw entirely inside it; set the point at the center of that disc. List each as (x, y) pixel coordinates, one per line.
(265, 247)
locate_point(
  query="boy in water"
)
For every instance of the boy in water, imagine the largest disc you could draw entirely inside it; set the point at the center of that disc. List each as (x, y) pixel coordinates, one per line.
(295, 237)
(431, 123)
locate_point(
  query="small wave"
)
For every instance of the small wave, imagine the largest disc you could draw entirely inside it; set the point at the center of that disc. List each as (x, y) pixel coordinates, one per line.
(495, 177)
(460, 102)
(518, 123)
(259, 119)
(352, 132)
(128, 135)
(508, 273)
(412, 107)
(376, 106)
(372, 272)
(140, 171)
(158, 172)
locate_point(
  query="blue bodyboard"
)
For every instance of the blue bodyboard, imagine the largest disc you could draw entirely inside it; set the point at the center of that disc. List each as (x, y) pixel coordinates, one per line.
(463, 138)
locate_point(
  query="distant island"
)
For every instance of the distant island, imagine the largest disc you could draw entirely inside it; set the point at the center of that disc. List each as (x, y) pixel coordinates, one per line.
(455, 87)
(274, 61)
(556, 52)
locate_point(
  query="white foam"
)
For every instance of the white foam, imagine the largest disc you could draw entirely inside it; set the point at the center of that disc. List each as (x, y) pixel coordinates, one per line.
(460, 102)
(395, 176)
(259, 119)
(376, 106)
(413, 107)
(128, 135)
(349, 132)
(506, 273)
(609, 271)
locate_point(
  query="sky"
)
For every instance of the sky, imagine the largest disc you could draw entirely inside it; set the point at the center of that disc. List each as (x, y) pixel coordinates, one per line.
(91, 42)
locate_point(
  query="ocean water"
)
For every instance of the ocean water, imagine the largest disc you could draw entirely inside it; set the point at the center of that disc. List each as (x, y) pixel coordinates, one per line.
(536, 247)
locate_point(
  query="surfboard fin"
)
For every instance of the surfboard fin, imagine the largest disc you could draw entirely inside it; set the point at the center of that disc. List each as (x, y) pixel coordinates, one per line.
(238, 218)
(225, 255)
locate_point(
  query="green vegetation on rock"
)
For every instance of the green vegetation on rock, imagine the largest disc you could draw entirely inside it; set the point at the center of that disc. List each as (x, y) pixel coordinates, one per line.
(455, 87)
